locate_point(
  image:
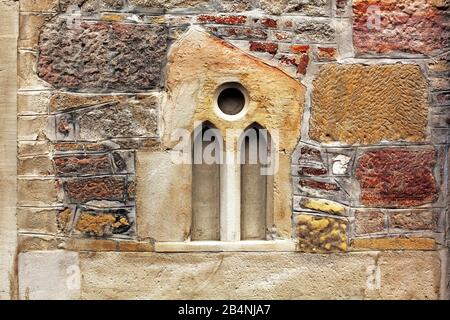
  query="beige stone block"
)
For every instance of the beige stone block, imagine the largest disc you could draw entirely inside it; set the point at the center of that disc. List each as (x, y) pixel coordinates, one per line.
(28, 78)
(35, 243)
(259, 276)
(32, 103)
(49, 275)
(32, 148)
(29, 29)
(37, 192)
(38, 5)
(86, 244)
(37, 220)
(356, 104)
(35, 128)
(406, 275)
(163, 196)
(35, 166)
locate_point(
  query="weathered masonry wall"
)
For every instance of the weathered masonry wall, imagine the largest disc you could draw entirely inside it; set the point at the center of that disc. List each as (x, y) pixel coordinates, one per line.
(358, 91)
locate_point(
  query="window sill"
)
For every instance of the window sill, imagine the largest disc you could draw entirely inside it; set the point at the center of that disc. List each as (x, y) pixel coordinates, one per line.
(220, 246)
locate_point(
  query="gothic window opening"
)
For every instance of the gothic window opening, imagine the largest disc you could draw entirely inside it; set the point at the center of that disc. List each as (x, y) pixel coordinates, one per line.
(207, 151)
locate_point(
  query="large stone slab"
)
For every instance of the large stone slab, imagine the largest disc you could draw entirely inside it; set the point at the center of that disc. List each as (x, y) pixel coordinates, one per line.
(391, 275)
(101, 55)
(401, 26)
(163, 197)
(49, 275)
(357, 104)
(396, 177)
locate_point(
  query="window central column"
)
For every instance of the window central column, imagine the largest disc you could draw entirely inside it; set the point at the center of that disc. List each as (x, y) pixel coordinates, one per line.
(230, 190)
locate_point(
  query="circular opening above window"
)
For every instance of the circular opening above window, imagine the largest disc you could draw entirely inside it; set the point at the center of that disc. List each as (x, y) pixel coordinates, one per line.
(231, 100)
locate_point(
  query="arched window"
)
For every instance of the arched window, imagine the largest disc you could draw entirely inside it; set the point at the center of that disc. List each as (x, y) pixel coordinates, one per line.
(256, 185)
(207, 152)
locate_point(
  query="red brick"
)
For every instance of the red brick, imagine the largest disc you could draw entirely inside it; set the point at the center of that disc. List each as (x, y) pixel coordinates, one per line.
(415, 26)
(397, 177)
(300, 48)
(82, 190)
(230, 20)
(307, 171)
(326, 54)
(82, 164)
(303, 64)
(268, 47)
(319, 185)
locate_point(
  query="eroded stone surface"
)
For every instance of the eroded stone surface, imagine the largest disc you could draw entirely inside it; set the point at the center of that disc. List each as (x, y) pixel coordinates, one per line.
(306, 7)
(397, 177)
(169, 4)
(81, 190)
(411, 26)
(81, 165)
(367, 104)
(103, 223)
(369, 222)
(414, 220)
(101, 56)
(133, 118)
(321, 234)
(259, 275)
(91, 5)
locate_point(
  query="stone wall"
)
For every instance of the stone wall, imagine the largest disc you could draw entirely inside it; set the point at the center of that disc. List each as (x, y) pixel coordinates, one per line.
(363, 191)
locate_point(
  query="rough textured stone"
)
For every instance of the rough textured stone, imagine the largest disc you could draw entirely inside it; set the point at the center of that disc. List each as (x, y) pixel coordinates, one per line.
(369, 222)
(397, 177)
(103, 223)
(235, 5)
(91, 5)
(51, 275)
(81, 190)
(305, 7)
(368, 104)
(411, 26)
(259, 276)
(314, 31)
(414, 220)
(135, 118)
(397, 243)
(321, 234)
(323, 205)
(169, 4)
(82, 165)
(101, 56)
